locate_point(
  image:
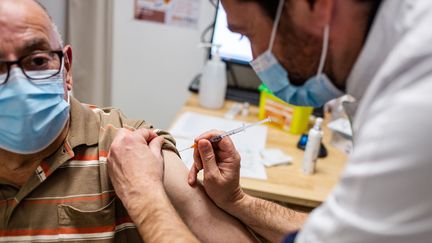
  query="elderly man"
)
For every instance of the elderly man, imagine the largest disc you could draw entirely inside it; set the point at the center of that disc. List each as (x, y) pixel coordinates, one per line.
(54, 184)
(309, 52)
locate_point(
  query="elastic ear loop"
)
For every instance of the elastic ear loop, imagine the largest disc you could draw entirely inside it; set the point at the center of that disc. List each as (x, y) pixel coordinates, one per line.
(69, 92)
(325, 39)
(69, 96)
(276, 24)
(325, 50)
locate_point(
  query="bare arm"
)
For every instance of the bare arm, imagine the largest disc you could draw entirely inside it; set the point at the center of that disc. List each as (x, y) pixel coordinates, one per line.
(270, 220)
(221, 182)
(208, 222)
(154, 220)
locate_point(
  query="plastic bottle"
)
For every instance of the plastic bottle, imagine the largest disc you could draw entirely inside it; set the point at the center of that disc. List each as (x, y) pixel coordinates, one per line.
(213, 83)
(313, 147)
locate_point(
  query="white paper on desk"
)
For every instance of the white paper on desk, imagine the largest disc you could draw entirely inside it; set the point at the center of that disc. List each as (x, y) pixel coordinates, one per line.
(252, 165)
(275, 157)
(191, 125)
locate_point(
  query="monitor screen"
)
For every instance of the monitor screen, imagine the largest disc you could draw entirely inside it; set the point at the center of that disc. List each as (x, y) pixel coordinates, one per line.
(234, 47)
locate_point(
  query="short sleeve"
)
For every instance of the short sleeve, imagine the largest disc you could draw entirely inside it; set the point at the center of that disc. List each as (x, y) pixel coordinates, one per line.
(113, 117)
(291, 238)
(170, 143)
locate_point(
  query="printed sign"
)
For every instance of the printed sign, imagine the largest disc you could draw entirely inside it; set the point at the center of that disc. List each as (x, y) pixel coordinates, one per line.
(184, 13)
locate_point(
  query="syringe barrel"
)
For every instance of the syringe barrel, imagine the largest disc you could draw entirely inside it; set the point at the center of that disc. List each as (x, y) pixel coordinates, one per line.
(216, 139)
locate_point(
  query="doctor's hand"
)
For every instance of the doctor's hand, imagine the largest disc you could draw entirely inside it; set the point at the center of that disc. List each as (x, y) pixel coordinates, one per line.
(135, 166)
(221, 164)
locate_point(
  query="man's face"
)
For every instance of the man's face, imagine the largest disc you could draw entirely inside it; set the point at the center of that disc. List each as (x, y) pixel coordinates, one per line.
(25, 28)
(298, 50)
(248, 19)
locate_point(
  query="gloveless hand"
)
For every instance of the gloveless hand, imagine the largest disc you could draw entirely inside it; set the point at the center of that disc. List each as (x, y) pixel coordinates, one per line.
(221, 164)
(135, 166)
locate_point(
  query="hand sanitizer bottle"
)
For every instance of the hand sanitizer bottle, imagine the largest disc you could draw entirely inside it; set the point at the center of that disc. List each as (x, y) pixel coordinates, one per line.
(313, 147)
(213, 83)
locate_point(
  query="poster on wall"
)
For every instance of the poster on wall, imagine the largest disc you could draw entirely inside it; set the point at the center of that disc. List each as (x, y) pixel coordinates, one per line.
(184, 13)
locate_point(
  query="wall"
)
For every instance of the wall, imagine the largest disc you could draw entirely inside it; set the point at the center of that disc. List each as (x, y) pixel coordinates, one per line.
(58, 11)
(90, 34)
(153, 64)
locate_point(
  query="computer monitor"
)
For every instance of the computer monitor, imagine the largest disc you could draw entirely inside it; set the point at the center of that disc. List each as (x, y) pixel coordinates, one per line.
(234, 47)
(236, 51)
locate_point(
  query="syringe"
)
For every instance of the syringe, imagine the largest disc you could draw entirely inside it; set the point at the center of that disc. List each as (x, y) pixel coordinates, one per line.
(218, 138)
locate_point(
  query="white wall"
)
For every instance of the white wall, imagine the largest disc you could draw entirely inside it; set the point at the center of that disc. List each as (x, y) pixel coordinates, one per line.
(58, 11)
(153, 64)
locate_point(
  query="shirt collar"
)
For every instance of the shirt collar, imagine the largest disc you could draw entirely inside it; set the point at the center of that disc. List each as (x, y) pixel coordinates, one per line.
(84, 126)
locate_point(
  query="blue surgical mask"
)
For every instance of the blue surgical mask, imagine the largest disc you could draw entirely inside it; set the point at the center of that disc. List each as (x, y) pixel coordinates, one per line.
(315, 92)
(32, 114)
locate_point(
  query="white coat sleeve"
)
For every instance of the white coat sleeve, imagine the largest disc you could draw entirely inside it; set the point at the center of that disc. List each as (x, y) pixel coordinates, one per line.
(385, 193)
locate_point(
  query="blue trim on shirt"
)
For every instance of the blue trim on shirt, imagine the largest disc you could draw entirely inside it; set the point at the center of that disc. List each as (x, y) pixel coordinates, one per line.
(291, 238)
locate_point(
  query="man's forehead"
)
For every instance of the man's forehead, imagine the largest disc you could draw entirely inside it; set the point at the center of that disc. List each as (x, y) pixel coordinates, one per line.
(28, 4)
(16, 12)
(22, 21)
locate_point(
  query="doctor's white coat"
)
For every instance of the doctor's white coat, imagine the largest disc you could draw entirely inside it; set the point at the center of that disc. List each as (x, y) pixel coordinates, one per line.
(385, 193)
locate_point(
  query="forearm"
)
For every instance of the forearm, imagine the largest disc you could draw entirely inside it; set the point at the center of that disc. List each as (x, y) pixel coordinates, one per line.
(208, 222)
(157, 221)
(268, 219)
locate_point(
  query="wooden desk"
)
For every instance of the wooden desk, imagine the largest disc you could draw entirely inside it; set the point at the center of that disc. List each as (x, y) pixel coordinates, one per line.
(286, 183)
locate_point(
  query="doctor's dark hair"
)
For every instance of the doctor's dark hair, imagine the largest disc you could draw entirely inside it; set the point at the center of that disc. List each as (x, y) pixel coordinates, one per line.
(270, 7)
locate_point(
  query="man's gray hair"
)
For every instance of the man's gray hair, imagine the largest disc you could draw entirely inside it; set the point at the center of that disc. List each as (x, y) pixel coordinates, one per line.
(53, 25)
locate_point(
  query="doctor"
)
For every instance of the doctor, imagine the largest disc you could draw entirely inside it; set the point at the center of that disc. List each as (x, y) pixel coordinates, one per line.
(309, 52)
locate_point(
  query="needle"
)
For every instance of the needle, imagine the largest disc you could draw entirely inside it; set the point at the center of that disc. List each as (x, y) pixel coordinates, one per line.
(218, 138)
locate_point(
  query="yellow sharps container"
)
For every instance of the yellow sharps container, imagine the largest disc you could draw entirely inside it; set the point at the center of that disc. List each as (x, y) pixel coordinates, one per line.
(290, 118)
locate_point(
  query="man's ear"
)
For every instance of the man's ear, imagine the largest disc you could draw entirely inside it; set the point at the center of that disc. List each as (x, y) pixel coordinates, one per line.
(68, 66)
(312, 15)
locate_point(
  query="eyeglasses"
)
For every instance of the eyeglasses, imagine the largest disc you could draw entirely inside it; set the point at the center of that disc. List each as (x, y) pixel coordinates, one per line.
(36, 66)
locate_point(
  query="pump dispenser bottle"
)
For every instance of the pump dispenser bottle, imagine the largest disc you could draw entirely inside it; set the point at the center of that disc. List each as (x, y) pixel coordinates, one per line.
(213, 83)
(313, 147)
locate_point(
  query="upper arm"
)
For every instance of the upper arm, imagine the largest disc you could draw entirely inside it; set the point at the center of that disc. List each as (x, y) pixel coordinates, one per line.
(208, 222)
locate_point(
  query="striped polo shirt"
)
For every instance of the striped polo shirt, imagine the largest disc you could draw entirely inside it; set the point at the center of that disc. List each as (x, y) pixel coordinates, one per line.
(70, 197)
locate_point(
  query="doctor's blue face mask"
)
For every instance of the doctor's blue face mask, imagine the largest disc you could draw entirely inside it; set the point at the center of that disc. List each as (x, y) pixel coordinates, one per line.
(33, 113)
(315, 92)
